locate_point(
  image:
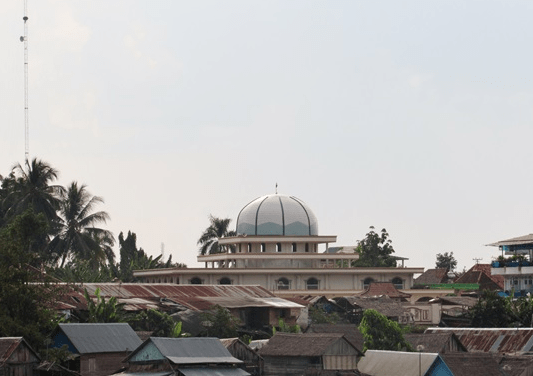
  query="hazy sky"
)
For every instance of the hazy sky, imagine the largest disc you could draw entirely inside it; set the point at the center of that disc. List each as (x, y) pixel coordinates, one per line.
(415, 116)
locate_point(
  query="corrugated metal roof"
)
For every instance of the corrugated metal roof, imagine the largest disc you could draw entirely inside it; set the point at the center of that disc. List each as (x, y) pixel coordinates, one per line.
(472, 364)
(526, 239)
(102, 337)
(213, 372)
(306, 344)
(138, 296)
(493, 340)
(387, 363)
(193, 350)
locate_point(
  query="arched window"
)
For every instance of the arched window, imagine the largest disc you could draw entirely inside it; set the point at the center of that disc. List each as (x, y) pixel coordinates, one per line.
(397, 282)
(283, 284)
(294, 247)
(224, 281)
(307, 247)
(278, 247)
(312, 284)
(165, 280)
(177, 281)
(263, 247)
(249, 247)
(196, 281)
(367, 282)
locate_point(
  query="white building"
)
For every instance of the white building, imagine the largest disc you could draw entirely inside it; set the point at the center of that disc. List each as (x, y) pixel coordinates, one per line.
(277, 248)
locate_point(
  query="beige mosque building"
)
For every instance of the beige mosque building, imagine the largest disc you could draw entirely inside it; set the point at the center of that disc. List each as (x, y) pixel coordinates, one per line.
(277, 247)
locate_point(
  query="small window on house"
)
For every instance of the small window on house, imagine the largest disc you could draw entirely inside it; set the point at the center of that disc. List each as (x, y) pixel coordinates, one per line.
(249, 247)
(294, 247)
(263, 247)
(196, 281)
(224, 281)
(240, 247)
(165, 280)
(307, 247)
(367, 282)
(278, 247)
(283, 284)
(159, 280)
(397, 282)
(312, 284)
(177, 281)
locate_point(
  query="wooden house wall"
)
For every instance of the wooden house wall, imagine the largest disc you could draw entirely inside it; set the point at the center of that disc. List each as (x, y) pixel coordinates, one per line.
(101, 364)
(20, 363)
(24, 369)
(252, 361)
(339, 362)
(290, 366)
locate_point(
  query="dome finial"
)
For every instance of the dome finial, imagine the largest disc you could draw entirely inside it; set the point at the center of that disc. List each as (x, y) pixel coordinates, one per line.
(276, 188)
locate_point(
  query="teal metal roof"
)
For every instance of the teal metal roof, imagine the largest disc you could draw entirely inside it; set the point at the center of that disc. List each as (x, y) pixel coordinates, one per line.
(101, 337)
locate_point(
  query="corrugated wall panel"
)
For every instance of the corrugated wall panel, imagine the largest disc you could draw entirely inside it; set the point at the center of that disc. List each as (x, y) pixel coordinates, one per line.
(334, 362)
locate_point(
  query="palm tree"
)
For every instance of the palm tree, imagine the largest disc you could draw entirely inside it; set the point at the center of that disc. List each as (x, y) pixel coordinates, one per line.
(31, 187)
(77, 235)
(218, 228)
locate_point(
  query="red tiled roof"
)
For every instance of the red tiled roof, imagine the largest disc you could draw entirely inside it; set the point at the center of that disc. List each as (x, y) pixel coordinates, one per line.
(384, 288)
(432, 276)
(480, 274)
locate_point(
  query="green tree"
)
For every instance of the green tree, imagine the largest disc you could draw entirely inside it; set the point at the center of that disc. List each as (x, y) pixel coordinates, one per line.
(380, 333)
(159, 323)
(218, 228)
(446, 261)
(104, 311)
(318, 315)
(375, 250)
(493, 311)
(25, 306)
(219, 322)
(30, 187)
(78, 235)
(133, 258)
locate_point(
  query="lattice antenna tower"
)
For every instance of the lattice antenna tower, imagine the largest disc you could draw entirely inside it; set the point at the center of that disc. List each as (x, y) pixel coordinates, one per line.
(26, 123)
(477, 260)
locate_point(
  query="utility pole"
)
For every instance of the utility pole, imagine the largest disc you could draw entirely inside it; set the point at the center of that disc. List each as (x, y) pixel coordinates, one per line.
(24, 39)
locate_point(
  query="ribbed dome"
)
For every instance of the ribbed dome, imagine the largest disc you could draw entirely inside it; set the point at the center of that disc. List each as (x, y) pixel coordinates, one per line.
(277, 215)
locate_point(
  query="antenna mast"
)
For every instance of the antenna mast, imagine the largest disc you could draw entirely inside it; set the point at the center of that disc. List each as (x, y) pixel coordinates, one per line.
(26, 125)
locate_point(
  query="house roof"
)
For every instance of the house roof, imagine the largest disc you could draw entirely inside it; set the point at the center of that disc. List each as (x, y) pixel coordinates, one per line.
(139, 296)
(433, 342)
(516, 365)
(101, 337)
(481, 274)
(383, 288)
(432, 276)
(383, 304)
(350, 331)
(9, 344)
(472, 364)
(386, 363)
(525, 239)
(194, 350)
(493, 340)
(465, 301)
(306, 344)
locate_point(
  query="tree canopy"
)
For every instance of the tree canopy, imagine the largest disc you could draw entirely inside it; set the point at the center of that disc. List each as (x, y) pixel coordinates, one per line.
(446, 261)
(218, 228)
(380, 333)
(375, 250)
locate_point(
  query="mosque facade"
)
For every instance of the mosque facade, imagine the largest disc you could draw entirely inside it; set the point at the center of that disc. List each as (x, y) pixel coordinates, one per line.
(277, 247)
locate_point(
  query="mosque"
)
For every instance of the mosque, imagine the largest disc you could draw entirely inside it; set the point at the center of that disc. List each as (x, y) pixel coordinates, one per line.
(277, 247)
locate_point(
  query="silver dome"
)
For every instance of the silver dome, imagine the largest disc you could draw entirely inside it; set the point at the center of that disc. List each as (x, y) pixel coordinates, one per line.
(277, 215)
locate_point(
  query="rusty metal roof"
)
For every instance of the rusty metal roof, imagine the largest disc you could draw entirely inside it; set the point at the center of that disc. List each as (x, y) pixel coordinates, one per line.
(139, 296)
(493, 340)
(9, 344)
